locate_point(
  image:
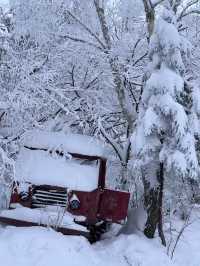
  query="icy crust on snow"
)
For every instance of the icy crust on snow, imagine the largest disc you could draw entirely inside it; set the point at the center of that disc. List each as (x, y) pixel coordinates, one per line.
(49, 217)
(69, 143)
(42, 168)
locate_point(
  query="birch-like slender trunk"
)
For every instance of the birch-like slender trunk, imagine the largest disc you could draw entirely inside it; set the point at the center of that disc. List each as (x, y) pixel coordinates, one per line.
(119, 89)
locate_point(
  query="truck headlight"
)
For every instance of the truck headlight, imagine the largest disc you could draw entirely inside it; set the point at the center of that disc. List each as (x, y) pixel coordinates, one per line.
(23, 196)
(74, 202)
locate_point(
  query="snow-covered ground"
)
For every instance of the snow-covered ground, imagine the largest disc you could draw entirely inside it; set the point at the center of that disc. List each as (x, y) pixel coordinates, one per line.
(44, 247)
(187, 251)
(41, 247)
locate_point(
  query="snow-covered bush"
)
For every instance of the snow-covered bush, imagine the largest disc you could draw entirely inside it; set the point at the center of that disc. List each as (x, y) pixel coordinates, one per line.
(7, 173)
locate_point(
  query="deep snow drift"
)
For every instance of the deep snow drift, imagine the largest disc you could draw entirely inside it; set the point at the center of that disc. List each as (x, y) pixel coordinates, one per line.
(41, 247)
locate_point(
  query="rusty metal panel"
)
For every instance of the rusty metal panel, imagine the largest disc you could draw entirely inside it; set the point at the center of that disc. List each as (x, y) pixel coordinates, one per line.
(15, 197)
(21, 223)
(102, 173)
(89, 204)
(113, 205)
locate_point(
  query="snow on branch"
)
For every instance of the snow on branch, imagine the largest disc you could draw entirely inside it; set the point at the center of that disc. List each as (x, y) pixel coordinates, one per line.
(111, 141)
(87, 29)
(186, 10)
(76, 39)
(164, 133)
(194, 11)
(155, 3)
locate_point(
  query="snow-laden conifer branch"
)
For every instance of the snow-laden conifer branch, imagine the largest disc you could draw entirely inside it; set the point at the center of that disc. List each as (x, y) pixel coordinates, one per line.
(164, 140)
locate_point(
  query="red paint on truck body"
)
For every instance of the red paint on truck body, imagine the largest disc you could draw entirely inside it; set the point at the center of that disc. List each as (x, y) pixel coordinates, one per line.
(102, 204)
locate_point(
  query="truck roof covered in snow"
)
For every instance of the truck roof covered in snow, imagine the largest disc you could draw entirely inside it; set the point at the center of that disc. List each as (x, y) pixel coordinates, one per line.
(68, 143)
(44, 160)
(43, 168)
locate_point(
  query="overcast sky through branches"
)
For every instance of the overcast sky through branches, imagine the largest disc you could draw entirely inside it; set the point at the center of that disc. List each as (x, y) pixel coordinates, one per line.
(4, 3)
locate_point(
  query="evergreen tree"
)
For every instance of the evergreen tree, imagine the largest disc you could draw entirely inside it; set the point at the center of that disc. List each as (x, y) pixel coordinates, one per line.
(164, 142)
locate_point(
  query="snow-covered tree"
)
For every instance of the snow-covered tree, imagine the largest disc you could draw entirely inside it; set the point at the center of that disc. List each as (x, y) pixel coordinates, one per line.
(81, 66)
(164, 143)
(6, 164)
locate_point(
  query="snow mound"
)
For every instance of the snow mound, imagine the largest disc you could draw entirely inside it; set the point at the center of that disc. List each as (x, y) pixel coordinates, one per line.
(72, 143)
(41, 247)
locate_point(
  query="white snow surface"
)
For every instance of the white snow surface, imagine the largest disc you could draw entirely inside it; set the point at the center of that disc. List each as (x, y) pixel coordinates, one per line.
(50, 216)
(42, 247)
(68, 143)
(163, 81)
(42, 168)
(39, 246)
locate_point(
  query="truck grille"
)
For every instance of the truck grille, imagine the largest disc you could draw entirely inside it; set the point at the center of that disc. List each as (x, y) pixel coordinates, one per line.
(47, 196)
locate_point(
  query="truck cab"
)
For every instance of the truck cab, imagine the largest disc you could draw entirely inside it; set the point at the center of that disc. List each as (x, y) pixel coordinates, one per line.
(61, 182)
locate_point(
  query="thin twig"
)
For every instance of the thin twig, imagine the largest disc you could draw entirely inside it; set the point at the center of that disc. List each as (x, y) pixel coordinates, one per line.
(87, 29)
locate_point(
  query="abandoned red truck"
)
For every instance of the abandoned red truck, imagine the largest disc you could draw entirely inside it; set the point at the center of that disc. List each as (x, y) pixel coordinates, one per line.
(60, 182)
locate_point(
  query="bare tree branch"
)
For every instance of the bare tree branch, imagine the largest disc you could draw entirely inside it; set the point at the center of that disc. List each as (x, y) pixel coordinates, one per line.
(188, 5)
(156, 3)
(102, 20)
(75, 39)
(191, 12)
(87, 29)
(140, 58)
(115, 146)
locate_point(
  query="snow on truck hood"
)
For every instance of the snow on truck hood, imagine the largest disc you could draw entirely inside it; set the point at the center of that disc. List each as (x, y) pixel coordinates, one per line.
(72, 143)
(42, 168)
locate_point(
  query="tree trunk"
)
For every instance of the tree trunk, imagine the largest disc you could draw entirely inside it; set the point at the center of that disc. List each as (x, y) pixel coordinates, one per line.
(153, 196)
(152, 208)
(127, 114)
(117, 77)
(122, 183)
(153, 199)
(150, 17)
(160, 203)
